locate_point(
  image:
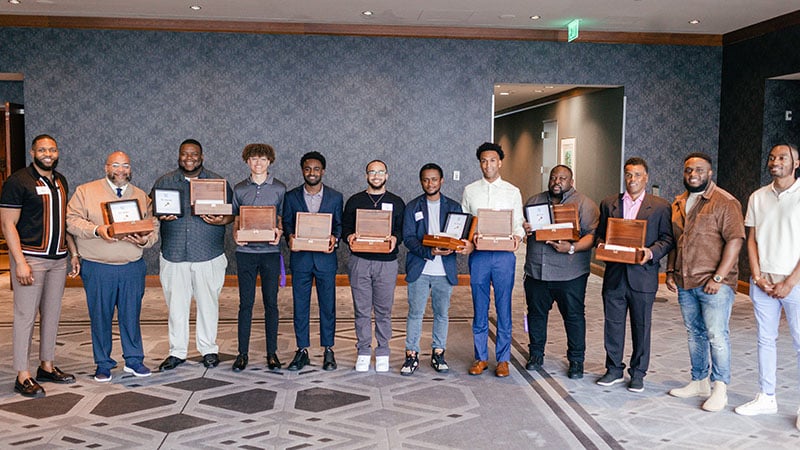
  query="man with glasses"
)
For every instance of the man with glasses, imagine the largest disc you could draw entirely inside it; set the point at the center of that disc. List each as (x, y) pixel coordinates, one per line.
(703, 269)
(32, 215)
(261, 188)
(113, 270)
(313, 267)
(373, 276)
(192, 262)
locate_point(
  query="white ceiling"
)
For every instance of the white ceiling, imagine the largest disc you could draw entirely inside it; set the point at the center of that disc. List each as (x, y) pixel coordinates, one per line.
(658, 16)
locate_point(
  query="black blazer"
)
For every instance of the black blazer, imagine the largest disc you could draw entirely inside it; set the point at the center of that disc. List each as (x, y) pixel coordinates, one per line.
(659, 239)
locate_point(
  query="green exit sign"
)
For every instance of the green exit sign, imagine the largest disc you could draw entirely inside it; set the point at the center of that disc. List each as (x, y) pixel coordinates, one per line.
(572, 30)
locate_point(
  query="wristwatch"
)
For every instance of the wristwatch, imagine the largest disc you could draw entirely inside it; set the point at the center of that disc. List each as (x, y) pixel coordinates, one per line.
(717, 278)
(571, 249)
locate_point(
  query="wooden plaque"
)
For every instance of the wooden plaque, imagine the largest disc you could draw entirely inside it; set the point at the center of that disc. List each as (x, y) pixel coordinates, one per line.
(374, 227)
(256, 224)
(624, 239)
(208, 197)
(565, 227)
(125, 218)
(495, 228)
(442, 241)
(312, 232)
(457, 226)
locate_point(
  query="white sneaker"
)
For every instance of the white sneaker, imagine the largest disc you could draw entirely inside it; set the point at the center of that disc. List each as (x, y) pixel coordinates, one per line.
(763, 404)
(381, 364)
(695, 388)
(362, 363)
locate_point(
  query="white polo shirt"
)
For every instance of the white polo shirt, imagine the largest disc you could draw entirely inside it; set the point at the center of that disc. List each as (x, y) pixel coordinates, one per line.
(776, 218)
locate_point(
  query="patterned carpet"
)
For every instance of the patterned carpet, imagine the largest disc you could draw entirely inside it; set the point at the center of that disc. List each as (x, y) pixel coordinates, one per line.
(195, 407)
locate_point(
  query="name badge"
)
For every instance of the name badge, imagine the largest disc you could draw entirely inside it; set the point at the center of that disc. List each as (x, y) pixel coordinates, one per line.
(418, 216)
(387, 207)
(42, 190)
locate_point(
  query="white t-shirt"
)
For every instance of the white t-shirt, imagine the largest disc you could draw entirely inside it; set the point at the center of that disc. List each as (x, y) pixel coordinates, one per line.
(776, 218)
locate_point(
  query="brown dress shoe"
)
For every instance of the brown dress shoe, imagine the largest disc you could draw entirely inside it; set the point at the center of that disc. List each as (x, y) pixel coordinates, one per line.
(502, 369)
(478, 367)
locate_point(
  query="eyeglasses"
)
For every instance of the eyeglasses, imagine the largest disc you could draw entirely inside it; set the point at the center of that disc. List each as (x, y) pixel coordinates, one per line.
(376, 172)
(118, 165)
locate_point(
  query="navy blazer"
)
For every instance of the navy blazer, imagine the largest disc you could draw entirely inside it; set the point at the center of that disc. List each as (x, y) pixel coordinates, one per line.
(658, 238)
(294, 202)
(413, 231)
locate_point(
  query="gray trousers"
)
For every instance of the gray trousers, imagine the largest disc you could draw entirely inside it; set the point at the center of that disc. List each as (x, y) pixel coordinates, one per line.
(372, 285)
(44, 297)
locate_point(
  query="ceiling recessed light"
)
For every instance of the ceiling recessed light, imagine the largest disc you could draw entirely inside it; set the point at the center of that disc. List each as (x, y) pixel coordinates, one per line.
(14, 2)
(504, 93)
(367, 13)
(536, 17)
(507, 16)
(195, 7)
(549, 87)
(694, 21)
(538, 91)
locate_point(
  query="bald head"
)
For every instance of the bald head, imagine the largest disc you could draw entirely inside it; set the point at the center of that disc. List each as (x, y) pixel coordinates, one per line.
(118, 168)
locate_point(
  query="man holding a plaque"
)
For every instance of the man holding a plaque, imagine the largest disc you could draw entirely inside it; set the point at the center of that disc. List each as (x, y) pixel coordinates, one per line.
(309, 266)
(492, 268)
(429, 270)
(32, 215)
(113, 270)
(633, 286)
(258, 258)
(773, 250)
(703, 269)
(557, 270)
(373, 276)
(192, 262)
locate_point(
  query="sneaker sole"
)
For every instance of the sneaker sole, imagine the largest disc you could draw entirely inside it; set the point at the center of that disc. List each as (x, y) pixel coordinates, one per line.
(135, 373)
(755, 413)
(636, 389)
(611, 383)
(102, 380)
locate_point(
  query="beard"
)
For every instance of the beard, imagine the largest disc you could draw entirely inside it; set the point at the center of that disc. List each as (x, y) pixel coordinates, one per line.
(41, 165)
(112, 178)
(378, 186)
(196, 169)
(692, 189)
(312, 182)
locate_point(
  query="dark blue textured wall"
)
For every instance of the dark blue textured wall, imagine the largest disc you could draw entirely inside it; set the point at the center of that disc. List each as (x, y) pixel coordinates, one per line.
(11, 91)
(408, 101)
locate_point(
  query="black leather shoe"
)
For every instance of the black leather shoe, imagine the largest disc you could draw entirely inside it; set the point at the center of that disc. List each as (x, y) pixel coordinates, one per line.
(56, 376)
(28, 388)
(273, 363)
(211, 360)
(575, 370)
(299, 361)
(170, 363)
(328, 361)
(534, 362)
(240, 363)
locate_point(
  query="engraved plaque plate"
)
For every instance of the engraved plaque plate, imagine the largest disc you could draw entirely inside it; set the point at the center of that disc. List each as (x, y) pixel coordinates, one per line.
(124, 218)
(167, 202)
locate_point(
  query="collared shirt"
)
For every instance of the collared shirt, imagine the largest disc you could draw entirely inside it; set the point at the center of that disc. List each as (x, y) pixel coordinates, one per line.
(630, 207)
(114, 188)
(189, 238)
(499, 194)
(249, 193)
(43, 208)
(776, 218)
(702, 233)
(313, 201)
(543, 262)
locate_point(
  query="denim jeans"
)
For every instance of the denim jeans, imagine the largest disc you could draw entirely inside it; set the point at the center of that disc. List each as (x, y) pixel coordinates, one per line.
(706, 317)
(439, 289)
(768, 316)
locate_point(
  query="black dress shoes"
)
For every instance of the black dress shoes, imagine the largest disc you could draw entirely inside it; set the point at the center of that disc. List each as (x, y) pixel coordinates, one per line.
(328, 361)
(240, 363)
(534, 362)
(211, 360)
(56, 376)
(170, 363)
(29, 388)
(575, 370)
(273, 363)
(299, 361)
